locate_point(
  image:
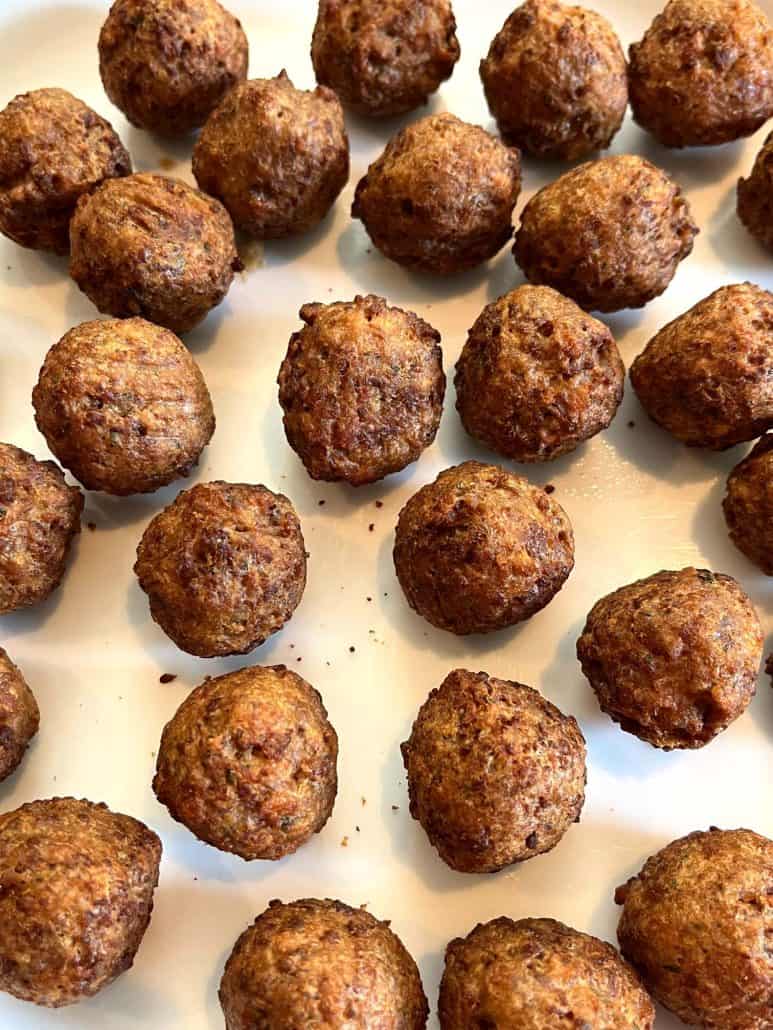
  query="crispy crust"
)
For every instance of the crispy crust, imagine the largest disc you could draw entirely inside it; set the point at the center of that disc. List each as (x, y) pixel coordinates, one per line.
(755, 196)
(19, 716)
(748, 505)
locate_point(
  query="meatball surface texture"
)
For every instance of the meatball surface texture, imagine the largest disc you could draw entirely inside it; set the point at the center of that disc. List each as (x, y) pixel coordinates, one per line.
(748, 505)
(19, 716)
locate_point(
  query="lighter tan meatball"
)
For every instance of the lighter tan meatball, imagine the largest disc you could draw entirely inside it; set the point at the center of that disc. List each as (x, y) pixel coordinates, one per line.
(19, 716)
(748, 505)
(755, 196)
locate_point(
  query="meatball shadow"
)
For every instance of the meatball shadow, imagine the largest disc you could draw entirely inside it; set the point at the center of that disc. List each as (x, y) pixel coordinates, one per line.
(710, 531)
(733, 244)
(116, 513)
(23, 268)
(32, 620)
(279, 253)
(374, 131)
(160, 154)
(505, 275)
(689, 166)
(206, 333)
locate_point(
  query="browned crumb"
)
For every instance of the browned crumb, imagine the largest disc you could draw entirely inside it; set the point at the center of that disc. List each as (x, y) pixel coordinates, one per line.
(167, 677)
(91, 526)
(345, 842)
(549, 488)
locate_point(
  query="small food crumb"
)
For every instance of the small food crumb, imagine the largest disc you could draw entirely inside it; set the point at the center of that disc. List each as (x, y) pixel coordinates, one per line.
(299, 659)
(379, 504)
(92, 526)
(549, 488)
(631, 424)
(357, 829)
(395, 808)
(363, 801)
(321, 503)
(167, 677)
(369, 599)
(351, 649)
(345, 842)
(371, 527)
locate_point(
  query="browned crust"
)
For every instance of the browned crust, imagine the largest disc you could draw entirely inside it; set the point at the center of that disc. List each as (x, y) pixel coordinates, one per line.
(19, 716)
(748, 505)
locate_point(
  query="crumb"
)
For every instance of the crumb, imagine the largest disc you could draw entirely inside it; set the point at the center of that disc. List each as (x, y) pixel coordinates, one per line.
(395, 808)
(292, 647)
(363, 801)
(369, 599)
(549, 488)
(351, 649)
(365, 904)
(167, 677)
(386, 594)
(167, 163)
(345, 842)
(357, 829)
(328, 664)
(371, 527)
(299, 659)
(379, 504)
(91, 526)
(321, 503)
(631, 424)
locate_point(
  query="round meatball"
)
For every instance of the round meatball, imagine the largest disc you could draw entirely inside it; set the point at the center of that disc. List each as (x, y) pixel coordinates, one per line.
(609, 234)
(168, 63)
(703, 73)
(77, 895)
(481, 549)
(275, 155)
(748, 505)
(705, 377)
(322, 964)
(496, 773)
(224, 567)
(362, 389)
(537, 376)
(248, 763)
(525, 975)
(151, 246)
(555, 80)
(123, 406)
(384, 57)
(53, 149)
(39, 516)
(696, 925)
(441, 197)
(755, 196)
(19, 716)
(673, 658)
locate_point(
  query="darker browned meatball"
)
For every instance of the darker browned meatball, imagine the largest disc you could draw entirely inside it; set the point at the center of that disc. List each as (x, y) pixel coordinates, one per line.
(707, 377)
(362, 389)
(77, 895)
(748, 505)
(384, 57)
(609, 234)
(321, 964)
(441, 196)
(703, 73)
(481, 549)
(496, 773)
(755, 196)
(19, 716)
(696, 925)
(525, 975)
(53, 149)
(224, 567)
(555, 80)
(168, 63)
(151, 246)
(123, 406)
(39, 516)
(537, 376)
(275, 155)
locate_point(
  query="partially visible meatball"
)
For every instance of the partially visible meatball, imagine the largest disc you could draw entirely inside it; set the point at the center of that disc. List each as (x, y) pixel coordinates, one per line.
(703, 73)
(537, 376)
(696, 925)
(609, 234)
(152, 246)
(496, 773)
(525, 975)
(39, 516)
(77, 894)
(441, 196)
(275, 155)
(224, 567)
(748, 505)
(707, 377)
(362, 389)
(53, 149)
(755, 196)
(19, 716)
(555, 80)
(384, 57)
(321, 964)
(168, 63)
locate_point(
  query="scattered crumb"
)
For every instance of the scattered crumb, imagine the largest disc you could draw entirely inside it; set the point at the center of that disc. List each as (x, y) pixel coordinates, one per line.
(369, 599)
(386, 594)
(299, 659)
(379, 504)
(167, 163)
(363, 801)
(91, 526)
(357, 829)
(351, 649)
(321, 503)
(292, 647)
(395, 808)
(549, 488)
(365, 904)
(167, 677)
(328, 664)
(631, 424)
(371, 527)
(345, 842)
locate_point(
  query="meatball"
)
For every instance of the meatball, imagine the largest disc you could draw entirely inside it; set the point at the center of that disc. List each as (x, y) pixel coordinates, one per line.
(248, 763)
(537, 376)
(673, 658)
(168, 63)
(696, 925)
(223, 566)
(555, 80)
(53, 149)
(441, 196)
(748, 505)
(362, 389)
(525, 975)
(384, 57)
(39, 516)
(703, 73)
(77, 895)
(151, 246)
(481, 549)
(755, 196)
(19, 716)
(706, 376)
(275, 155)
(609, 234)
(322, 964)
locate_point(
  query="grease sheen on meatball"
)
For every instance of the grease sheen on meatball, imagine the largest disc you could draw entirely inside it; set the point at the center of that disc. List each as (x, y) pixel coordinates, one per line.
(748, 505)
(755, 196)
(19, 716)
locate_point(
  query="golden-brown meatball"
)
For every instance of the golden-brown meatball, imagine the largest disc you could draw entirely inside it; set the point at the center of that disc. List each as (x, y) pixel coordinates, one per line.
(362, 389)
(609, 234)
(748, 505)
(151, 246)
(384, 57)
(321, 964)
(77, 894)
(496, 773)
(441, 196)
(224, 567)
(53, 149)
(168, 63)
(19, 716)
(275, 155)
(755, 196)
(555, 80)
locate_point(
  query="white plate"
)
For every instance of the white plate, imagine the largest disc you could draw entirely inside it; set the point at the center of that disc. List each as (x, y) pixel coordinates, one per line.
(638, 500)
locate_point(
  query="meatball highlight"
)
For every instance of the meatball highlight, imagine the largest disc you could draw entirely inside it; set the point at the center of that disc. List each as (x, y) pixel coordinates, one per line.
(755, 196)
(748, 505)
(19, 716)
